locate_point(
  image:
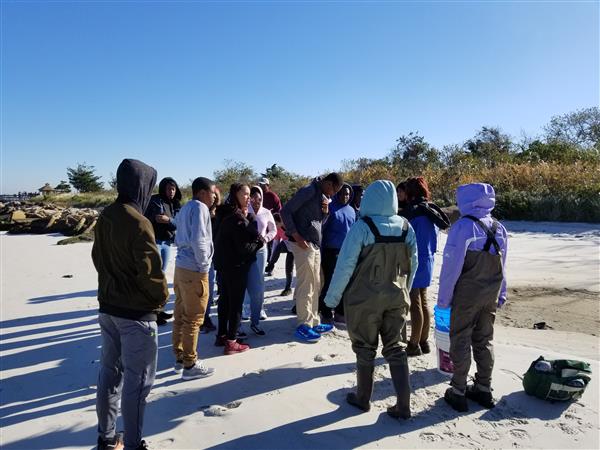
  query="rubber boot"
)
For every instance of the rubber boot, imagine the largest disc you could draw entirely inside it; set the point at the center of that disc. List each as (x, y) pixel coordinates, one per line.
(400, 379)
(364, 388)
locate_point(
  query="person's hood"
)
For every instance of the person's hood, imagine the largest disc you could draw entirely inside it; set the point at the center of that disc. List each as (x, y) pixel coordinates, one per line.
(162, 189)
(380, 199)
(336, 203)
(476, 199)
(261, 201)
(135, 183)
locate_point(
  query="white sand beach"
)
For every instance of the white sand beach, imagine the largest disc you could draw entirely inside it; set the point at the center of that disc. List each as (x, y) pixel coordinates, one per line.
(288, 395)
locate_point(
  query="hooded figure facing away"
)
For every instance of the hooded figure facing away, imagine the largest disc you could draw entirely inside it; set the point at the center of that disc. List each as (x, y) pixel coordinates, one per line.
(472, 282)
(131, 290)
(373, 275)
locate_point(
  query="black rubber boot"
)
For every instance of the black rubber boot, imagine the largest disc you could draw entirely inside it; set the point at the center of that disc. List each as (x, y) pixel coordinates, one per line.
(458, 402)
(400, 379)
(484, 398)
(364, 388)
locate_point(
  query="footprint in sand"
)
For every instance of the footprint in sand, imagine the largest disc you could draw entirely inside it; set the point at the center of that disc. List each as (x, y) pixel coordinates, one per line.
(519, 433)
(490, 435)
(430, 437)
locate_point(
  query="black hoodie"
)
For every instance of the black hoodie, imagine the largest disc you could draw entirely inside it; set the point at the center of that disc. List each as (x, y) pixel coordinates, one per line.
(161, 204)
(421, 207)
(131, 283)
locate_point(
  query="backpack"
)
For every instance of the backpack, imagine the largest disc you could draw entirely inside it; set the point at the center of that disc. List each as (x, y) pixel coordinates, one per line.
(557, 380)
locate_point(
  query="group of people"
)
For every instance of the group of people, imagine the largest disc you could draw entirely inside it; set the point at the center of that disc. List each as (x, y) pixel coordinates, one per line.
(363, 260)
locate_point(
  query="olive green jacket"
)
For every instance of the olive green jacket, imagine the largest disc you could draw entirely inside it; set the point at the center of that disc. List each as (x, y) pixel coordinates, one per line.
(131, 283)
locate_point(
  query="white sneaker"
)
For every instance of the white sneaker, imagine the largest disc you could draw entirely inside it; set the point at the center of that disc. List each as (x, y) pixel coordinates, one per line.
(198, 370)
(178, 367)
(263, 315)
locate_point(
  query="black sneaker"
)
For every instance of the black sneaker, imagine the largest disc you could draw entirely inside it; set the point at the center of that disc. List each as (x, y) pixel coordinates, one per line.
(425, 348)
(161, 322)
(257, 330)
(165, 315)
(458, 402)
(285, 292)
(484, 398)
(413, 350)
(116, 443)
(143, 446)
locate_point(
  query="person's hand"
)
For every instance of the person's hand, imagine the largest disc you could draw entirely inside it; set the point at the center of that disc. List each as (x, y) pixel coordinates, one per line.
(300, 241)
(325, 205)
(162, 218)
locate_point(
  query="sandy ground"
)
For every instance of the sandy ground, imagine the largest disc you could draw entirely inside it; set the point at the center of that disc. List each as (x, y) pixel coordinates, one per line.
(284, 394)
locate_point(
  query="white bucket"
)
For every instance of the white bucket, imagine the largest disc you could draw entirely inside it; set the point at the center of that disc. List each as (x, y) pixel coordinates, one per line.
(442, 343)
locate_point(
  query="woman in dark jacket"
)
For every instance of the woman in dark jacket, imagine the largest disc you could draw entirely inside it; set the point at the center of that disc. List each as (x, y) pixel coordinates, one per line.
(236, 244)
(426, 219)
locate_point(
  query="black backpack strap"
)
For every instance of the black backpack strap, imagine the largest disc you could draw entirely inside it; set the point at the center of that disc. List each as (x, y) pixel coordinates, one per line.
(385, 239)
(372, 227)
(404, 231)
(490, 233)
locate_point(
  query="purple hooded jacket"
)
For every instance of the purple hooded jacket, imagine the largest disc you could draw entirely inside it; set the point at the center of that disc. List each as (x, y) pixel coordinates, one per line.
(478, 200)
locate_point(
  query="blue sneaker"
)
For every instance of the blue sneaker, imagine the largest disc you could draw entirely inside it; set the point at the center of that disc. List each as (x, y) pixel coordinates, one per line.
(306, 334)
(322, 328)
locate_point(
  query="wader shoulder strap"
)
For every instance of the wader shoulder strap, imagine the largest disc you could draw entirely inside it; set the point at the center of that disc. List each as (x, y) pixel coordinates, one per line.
(490, 233)
(385, 239)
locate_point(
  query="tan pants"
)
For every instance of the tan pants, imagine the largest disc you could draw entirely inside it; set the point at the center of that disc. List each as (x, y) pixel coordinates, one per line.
(191, 299)
(308, 283)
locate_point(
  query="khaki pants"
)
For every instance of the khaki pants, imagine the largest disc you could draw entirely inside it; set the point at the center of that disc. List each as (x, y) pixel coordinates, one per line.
(191, 299)
(308, 283)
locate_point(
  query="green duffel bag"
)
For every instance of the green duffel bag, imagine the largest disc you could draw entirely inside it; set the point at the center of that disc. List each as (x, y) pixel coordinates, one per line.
(557, 380)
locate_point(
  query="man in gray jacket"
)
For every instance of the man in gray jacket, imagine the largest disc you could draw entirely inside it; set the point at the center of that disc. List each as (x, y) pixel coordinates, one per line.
(194, 256)
(303, 215)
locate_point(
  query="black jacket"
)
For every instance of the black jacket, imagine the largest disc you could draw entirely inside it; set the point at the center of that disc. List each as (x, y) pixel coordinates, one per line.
(160, 204)
(237, 239)
(421, 207)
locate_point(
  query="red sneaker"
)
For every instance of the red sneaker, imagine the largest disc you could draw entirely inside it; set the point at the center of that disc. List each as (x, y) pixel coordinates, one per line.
(233, 347)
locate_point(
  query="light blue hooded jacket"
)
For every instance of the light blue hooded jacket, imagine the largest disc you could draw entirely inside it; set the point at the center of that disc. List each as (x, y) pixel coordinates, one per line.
(478, 200)
(380, 202)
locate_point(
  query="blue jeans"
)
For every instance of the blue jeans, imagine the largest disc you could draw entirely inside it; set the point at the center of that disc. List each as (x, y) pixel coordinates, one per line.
(164, 248)
(255, 291)
(127, 370)
(212, 281)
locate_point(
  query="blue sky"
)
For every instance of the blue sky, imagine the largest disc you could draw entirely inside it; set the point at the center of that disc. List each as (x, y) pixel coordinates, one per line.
(186, 85)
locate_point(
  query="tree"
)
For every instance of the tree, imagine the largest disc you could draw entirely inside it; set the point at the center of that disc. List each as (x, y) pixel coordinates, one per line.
(412, 154)
(112, 181)
(489, 145)
(63, 186)
(580, 128)
(234, 172)
(84, 179)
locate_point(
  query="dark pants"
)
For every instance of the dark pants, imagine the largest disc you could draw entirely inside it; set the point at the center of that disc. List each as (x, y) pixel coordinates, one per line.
(232, 286)
(472, 326)
(127, 371)
(328, 260)
(289, 262)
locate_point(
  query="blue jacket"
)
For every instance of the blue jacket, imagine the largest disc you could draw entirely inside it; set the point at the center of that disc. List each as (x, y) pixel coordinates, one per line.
(380, 202)
(426, 233)
(338, 222)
